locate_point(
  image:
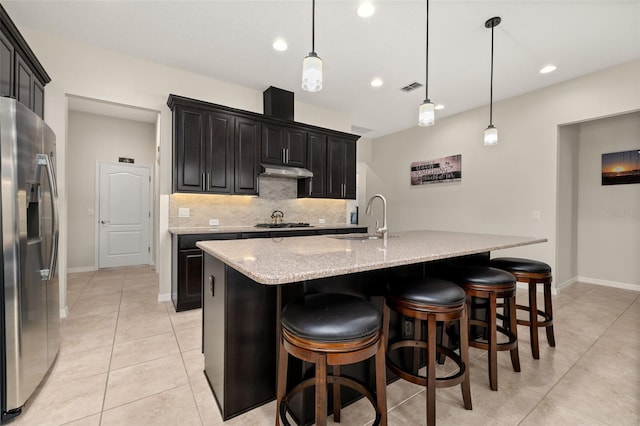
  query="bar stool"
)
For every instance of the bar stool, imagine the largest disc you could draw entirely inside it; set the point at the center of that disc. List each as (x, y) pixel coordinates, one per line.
(431, 300)
(490, 284)
(331, 330)
(533, 273)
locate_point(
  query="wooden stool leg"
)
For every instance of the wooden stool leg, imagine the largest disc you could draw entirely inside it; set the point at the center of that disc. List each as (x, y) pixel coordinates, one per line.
(493, 349)
(515, 358)
(417, 335)
(337, 403)
(444, 341)
(321, 390)
(282, 379)
(431, 370)
(549, 310)
(533, 319)
(464, 354)
(381, 382)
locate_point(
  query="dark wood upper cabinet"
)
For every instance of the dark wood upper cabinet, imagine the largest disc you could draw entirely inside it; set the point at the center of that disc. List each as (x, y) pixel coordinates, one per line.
(189, 149)
(21, 74)
(219, 154)
(218, 149)
(315, 187)
(247, 155)
(6, 66)
(341, 168)
(284, 145)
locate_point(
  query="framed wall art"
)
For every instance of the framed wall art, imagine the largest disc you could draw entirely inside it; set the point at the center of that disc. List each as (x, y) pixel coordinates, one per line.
(440, 170)
(620, 168)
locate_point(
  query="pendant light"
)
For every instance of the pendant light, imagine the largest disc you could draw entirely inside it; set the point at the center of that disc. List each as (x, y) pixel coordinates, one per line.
(426, 112)
(312, 64)
(491, 132)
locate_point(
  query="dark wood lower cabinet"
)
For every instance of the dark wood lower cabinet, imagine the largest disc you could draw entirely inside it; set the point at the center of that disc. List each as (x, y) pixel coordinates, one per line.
(186, 279)
(190, 267)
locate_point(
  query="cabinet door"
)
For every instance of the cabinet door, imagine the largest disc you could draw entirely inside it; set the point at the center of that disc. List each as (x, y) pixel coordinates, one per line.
(341, 168)
(38, 98)
(273, 144)
(296, 146)
(23, 82)
(349, 170)
(219, 153)
(6, 66)
(335, 167)
(189, 150)
(316, 186)
(190, 281)
(247, 155)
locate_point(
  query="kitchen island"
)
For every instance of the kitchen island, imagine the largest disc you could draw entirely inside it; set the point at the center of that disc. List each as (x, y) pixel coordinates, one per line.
(246, 282)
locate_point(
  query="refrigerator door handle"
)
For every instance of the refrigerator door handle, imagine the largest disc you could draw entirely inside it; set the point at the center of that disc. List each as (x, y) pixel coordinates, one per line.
(45, 160)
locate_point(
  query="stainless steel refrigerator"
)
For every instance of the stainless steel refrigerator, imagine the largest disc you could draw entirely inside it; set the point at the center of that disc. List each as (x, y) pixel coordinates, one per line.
(30, 312)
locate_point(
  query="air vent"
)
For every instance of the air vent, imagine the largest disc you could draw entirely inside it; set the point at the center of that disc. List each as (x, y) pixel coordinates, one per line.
(411, 86)
(360, 130)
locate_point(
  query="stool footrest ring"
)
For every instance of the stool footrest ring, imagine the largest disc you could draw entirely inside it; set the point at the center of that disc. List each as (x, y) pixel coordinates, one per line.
(441, 382)
(331, 379)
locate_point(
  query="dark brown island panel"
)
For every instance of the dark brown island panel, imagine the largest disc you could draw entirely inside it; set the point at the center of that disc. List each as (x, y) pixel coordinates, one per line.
(245, 289)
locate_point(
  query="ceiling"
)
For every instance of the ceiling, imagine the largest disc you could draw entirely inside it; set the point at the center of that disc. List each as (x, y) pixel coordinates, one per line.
(231, 40)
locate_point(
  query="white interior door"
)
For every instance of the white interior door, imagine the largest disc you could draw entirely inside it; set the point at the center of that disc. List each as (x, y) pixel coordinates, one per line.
(124, 215)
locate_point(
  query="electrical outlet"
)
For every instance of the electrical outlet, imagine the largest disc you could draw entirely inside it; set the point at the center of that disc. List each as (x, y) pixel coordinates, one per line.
(214, 222)
(183, 212)
(535, 215)
(320, 220)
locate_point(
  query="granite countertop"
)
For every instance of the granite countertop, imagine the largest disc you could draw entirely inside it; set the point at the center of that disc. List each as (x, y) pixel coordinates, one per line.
(293, 259)
(223, 229)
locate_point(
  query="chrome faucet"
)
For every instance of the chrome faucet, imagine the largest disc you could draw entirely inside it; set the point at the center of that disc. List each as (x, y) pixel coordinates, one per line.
(384, 230)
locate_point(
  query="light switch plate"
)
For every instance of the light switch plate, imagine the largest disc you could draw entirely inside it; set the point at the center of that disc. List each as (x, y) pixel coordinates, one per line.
(214, 222)
(320, 220)
(183, 212)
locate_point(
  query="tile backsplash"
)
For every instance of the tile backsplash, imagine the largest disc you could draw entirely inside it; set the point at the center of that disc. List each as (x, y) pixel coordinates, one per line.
(239, 210)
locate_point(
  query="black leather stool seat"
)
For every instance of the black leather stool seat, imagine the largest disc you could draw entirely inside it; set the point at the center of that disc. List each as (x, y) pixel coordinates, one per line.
(482, 276)
(532, 272)
(331, 317)
(432, 291)
(517, 264)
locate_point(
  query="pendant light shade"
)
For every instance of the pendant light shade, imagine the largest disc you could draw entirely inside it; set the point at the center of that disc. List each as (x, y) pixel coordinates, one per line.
(426, 112)
(312, 64)
(491, 132)
(312, 73)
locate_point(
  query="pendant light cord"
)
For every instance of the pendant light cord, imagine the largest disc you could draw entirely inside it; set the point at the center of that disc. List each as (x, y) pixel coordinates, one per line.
(313, 26)
(491, 86)
(426, 77)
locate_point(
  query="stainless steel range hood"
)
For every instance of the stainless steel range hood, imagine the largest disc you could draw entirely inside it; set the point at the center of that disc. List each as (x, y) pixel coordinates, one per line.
(275, 170)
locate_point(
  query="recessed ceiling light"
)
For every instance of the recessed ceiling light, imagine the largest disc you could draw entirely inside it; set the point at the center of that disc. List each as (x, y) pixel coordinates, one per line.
(280, 45)
(439, 107)
(376, 82)
(547, 69)
(366, 9)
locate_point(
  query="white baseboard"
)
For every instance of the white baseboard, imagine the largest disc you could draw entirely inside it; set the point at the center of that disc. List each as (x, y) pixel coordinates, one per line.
(81, 269)
(567, 283)
(607, 283)
(164, 297)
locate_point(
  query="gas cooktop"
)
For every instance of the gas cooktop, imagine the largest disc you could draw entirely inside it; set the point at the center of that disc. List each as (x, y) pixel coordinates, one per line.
(283, 225)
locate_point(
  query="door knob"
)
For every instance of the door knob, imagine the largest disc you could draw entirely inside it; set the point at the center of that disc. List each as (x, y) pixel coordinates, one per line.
(104, 222)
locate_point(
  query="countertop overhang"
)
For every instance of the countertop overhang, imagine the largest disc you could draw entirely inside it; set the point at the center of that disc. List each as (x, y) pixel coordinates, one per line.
(225, 229)
(293, 259)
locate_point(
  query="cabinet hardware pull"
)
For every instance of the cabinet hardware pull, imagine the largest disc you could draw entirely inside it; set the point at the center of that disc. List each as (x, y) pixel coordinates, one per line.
(287, 155)
(212, 281)
(284, 156)
(208, 182)
(202, 182)
(310, 186)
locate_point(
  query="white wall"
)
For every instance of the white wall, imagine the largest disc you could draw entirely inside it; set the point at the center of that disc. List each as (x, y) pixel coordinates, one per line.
(501, 185)
(566, 271)
(81, 70)
(91, 139)
(608, 215)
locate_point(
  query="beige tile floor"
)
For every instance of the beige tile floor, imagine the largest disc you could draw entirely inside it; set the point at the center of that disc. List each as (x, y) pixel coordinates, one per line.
(127, 360)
